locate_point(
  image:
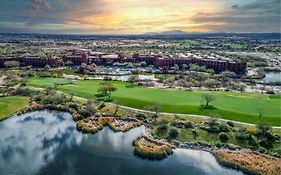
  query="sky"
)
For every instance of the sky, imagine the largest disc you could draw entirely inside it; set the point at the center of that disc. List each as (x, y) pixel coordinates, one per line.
(138, 16)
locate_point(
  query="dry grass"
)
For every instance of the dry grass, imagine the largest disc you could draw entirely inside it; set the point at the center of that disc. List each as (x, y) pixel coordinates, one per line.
(93, 124)
(151, 149)
(249, 161)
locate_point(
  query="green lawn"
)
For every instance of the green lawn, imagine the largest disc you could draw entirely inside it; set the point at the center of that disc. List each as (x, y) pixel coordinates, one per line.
(10, 105)
(229, 105)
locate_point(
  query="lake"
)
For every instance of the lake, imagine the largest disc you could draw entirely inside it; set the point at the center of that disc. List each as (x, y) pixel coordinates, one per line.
(47, 143)
(272, 77)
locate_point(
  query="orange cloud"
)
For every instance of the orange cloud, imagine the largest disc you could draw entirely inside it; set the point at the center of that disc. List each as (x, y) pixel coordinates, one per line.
(127, 16)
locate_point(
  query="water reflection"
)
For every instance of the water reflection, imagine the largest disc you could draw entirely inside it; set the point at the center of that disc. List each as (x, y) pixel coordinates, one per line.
(47, 142)
(271, 77)
(31, 141)
(107, 144)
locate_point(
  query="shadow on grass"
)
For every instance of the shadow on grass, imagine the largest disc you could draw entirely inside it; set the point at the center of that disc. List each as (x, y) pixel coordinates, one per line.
(130, 86)
(209, 107)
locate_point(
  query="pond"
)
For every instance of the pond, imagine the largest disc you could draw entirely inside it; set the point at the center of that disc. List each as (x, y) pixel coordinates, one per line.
(47, 142)
(272, 77)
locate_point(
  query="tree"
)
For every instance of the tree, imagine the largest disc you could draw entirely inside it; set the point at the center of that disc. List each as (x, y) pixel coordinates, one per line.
(106, 88)
(260, 111)
(132, 79)
(260, 108)
(143, 64)
(210, 83)
(223, 137)
(228, 74)
(47, 67)
(156, 108)
(11, 64)
(266, 139)
(69, 63)
(242, 87)
(71, 96)
(210, 71)
(117, 106)
(202, 78)
(208, 98)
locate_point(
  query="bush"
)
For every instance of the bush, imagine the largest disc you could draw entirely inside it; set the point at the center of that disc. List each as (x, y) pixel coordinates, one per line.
(223, 137)
(84, 112)
(74, 106)
(270, 92)
(231, 124)
(54, 99)
(242, 134)
(223, 128)
(101, 106)
(178, 124)
(212, 125)
(188, 124)
(194, 133)
(140, 116)
(24, 91)
(173, 133)
(162, 127)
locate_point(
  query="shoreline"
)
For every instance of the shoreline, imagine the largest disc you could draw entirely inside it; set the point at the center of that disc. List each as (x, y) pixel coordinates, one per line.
(159, 153)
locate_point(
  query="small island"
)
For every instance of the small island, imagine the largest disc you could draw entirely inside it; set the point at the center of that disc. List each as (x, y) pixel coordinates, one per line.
(148, 148)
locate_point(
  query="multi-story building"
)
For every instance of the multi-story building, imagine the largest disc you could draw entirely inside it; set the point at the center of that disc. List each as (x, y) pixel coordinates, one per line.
(79, 57)
(149, 59)
(216, 65)
(31, 61)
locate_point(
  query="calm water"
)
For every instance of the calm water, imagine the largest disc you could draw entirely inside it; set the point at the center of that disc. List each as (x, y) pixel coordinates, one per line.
(272, 77)
(47, 142)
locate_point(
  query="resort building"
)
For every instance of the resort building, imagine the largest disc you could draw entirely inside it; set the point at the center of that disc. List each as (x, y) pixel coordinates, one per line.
(78, 57)
(31, 61)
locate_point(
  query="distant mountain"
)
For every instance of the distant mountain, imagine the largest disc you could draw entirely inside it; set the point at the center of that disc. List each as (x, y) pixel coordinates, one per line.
(170, 32)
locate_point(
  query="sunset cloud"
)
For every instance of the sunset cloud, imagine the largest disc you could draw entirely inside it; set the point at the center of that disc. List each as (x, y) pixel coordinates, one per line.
(128, 16)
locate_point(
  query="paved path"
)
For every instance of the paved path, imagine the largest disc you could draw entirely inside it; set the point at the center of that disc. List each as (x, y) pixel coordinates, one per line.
(165, 113)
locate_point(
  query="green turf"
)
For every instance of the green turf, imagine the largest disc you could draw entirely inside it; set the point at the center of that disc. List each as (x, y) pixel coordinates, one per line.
(229, 105)
(10, 105)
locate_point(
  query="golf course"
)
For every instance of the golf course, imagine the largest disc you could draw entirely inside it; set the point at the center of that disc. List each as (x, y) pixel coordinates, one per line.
(10, 105)
(228, 105)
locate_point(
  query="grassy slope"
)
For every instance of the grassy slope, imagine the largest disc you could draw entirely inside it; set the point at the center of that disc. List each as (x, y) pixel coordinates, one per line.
(230, 105)
(10, 105)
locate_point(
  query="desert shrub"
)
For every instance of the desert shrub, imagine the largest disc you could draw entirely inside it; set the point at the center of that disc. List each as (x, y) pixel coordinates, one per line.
(253, 142)
(223, 128)
(84, 112)
(54, 99)
(101, 106)
(242, 134)
(212, 125)
(25, 91)
(223, 137)
(173, 133)
(266, 138)
(162, 127)
(140, 116)
(230, 123)
(74, 106)
(194, 133)
(178, 124)
(188, 124)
